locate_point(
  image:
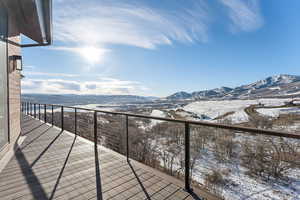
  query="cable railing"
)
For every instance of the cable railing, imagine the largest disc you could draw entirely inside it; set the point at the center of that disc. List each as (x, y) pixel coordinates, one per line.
(50, 113)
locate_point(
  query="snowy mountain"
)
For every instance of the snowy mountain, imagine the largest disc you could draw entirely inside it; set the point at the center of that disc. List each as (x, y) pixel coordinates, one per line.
(275, 86)
(180, 95)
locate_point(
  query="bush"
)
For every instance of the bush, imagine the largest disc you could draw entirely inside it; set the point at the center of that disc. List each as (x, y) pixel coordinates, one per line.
(224, 146)
(215, 182)
(270, 158)
(214, 178)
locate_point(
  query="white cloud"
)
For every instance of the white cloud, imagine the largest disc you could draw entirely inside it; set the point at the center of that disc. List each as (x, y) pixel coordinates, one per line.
(104, 86)
(88, 23)
(31, 73)
(29, 67)
(244, 14)
(90, 27)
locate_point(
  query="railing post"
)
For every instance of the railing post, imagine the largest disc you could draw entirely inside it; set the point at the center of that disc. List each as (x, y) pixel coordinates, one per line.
(52, 115)
(34, 106)
(187, 157)
(75, 121)
(39, 111)
(95, 128)
(62, 118)
(45, 113)
(27, 108)
(127, 138)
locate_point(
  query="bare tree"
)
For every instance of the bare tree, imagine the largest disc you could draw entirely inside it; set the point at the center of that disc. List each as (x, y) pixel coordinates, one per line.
(268, 158)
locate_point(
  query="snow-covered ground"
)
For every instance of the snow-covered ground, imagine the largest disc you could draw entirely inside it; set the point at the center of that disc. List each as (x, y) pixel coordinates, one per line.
(157, 113)
(239, 185)
(214, 109)
(275, 112)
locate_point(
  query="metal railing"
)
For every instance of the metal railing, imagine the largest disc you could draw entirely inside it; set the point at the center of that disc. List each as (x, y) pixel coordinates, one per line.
(29, 108)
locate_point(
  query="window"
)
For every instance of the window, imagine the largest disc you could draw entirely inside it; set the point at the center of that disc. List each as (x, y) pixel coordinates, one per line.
(3, 78)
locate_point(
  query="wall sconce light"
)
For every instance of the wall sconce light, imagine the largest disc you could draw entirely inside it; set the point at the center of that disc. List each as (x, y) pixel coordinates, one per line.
(17, 62)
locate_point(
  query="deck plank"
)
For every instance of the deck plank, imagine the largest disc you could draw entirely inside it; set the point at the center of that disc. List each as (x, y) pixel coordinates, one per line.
(51, 164)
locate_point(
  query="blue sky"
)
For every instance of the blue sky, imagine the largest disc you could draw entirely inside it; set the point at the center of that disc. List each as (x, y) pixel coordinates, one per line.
(159, 47)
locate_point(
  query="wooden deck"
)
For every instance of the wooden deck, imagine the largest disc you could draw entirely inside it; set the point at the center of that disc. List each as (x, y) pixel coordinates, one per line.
(50, 164)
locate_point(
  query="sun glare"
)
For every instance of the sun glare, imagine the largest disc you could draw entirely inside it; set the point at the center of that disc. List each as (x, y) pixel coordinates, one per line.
(92, 54)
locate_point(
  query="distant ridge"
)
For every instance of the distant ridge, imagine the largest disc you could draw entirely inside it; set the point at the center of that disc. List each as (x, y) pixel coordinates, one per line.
(283, 85)
(72, 99)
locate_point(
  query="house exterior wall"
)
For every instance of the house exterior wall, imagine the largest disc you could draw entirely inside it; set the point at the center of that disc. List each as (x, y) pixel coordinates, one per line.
(14, 89)
(14, 86)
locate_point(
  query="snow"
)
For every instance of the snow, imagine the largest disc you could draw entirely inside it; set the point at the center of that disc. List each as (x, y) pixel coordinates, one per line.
(275, 112)
(239, 185)
(275, 88)
(157, 113)
(214, 109)
(238, 117)
(191, 116)
(273, 102)
(295, 93)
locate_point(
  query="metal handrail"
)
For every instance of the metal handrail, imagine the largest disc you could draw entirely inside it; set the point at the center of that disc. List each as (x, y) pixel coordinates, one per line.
(30, 108)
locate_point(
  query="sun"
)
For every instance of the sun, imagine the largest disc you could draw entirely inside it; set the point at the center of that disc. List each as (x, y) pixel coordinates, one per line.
(92, 54)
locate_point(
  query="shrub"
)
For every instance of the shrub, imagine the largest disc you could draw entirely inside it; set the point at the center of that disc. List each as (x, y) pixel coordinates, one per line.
(270, 157)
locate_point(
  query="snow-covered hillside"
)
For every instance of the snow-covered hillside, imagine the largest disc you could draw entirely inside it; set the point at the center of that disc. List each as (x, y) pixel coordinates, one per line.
(233, 108)
(275, 112)
(274, 86)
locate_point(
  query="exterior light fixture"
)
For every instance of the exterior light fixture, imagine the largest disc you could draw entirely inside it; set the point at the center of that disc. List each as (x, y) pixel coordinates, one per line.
(17, 62)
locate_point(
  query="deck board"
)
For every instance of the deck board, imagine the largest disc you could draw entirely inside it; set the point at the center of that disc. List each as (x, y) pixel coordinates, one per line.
(51, 164)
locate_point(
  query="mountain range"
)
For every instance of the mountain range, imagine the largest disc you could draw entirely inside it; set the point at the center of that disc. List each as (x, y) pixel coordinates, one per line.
(274, 86)
(72, 99)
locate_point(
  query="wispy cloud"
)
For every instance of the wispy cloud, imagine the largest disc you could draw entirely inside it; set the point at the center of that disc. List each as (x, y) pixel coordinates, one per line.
(90, 27)
(244, 14)
(90, 23)
(105, 86)
(31, 73)
(29, 67)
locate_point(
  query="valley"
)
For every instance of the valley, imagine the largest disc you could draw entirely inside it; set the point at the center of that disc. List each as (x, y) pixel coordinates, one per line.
(229, 164)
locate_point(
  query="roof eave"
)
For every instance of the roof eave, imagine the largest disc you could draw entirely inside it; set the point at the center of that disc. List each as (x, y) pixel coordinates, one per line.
(34, 18)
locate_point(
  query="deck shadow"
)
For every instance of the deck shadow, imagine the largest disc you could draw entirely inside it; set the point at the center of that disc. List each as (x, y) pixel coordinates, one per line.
(46, 149)
(97, 169)
(33, 140)
(139, 181)
(32, 180)
(62, 169)
(31, 130)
